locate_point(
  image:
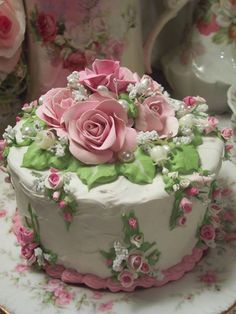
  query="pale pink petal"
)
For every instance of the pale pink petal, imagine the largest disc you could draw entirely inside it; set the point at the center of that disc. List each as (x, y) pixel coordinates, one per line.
(171, 125)
(130, 143)
(105, 66)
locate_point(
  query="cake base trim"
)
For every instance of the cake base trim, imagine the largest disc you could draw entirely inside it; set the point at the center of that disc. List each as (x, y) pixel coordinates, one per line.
(72, 276)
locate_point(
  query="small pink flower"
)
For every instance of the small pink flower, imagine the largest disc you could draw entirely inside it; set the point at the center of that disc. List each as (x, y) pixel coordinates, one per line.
(216, 194)
(205, 28)
(76, 61)
(56, 195)
(104, 307)
(145, 268)
(210, 277)
(211, 124)
(24, 236)
(20, 268)
(135, 261)
(3, 213)
(226, 133)
(54, 285)
(226, 192)
(27, 251)
(186, 205)
(133, 223)
(28, 107)
(207, 233)
(189, 101)
(192, 191)
(68, 216)
(97, 295)
(137, 240)
(229, 215)
(54, 181)
(63, 297)
(229, 147)
(62, 204)
(182, 221)
(46, 26)
(126, 278)
(216, 208)
(215, 221)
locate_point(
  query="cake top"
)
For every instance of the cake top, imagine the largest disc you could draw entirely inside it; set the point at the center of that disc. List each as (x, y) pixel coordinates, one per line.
(109, 122)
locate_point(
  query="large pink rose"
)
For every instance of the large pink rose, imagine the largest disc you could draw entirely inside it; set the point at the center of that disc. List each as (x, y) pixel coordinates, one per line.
(98, 131)
(12, 27)
(25, 236)
(108, 73)
(55, 102)
(156, 114)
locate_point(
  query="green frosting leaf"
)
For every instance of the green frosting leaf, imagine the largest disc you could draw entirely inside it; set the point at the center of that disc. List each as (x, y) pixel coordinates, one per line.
(185, 160)
(141, 170)
(96, 175)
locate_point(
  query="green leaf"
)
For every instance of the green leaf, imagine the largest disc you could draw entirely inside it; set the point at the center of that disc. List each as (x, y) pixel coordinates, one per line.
(176, 213)
(141, 170)
(95, 175)
(197, 140)
(185, 160)
(36, 158)
(220, 36)
(146, 246)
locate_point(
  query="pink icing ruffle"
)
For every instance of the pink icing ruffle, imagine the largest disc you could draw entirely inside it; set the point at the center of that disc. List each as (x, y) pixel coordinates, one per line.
(71, 276)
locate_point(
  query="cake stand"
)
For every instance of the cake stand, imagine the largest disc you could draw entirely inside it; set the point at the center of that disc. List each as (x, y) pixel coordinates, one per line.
(209, 289)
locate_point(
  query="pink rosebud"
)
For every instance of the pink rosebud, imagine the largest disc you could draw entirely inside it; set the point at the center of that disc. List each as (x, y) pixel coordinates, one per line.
(126, 279)
(209, 277)
(186, 205)
(207, 233)
(189, 101)
(216, 194)
(133, 223)
(24, 236)
(27, 251)
(18, 118)
(56, 195)
(216, 208)
(54, 180)
(137, 240)
(145, 268)
(182, 221)
(68, 216)
(192, 191)
(211, 124)
(229, 147)
(135, 261)
(226, 133)
(62, 204)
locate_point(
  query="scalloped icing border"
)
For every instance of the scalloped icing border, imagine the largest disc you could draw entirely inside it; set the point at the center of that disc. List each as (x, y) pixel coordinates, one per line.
(71, 276)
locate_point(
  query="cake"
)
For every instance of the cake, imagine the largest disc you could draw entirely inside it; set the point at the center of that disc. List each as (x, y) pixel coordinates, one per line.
(115, 181)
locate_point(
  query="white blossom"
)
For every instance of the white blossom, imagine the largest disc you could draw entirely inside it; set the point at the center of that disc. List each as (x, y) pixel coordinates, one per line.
(147, 137)
(39, 256)
(121, 255)
(39, 184)
(9, 134)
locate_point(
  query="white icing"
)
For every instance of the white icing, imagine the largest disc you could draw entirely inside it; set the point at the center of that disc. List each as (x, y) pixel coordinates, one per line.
(98, 223)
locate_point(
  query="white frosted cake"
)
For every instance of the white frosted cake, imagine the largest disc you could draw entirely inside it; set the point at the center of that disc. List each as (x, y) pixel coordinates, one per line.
(114, 180)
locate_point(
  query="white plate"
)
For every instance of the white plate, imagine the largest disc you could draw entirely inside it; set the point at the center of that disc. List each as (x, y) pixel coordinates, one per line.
(25, 291)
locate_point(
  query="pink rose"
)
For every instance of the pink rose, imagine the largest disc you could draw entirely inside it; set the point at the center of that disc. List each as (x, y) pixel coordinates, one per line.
(207, 28)
(135, 261)
(98, 131)
(226, 192)
(145, 268)
(68, 216)
(192, 191)
(12, 28)
(133, 223)
(226, 133)
(209, 277)
(207, 233)
(27, 251)
(107, 73)
(182, 221)
(76, 61)
(46, 26)
(24, 236)
(63, 297)
(54, 285)
(229, 147)
(126, 278)
(3, 145)
(55, 103)
(211, 124)
(186, 205)
(156, 114)
(20, 268)
(54, 181)
(215, 208)
(189, 101)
